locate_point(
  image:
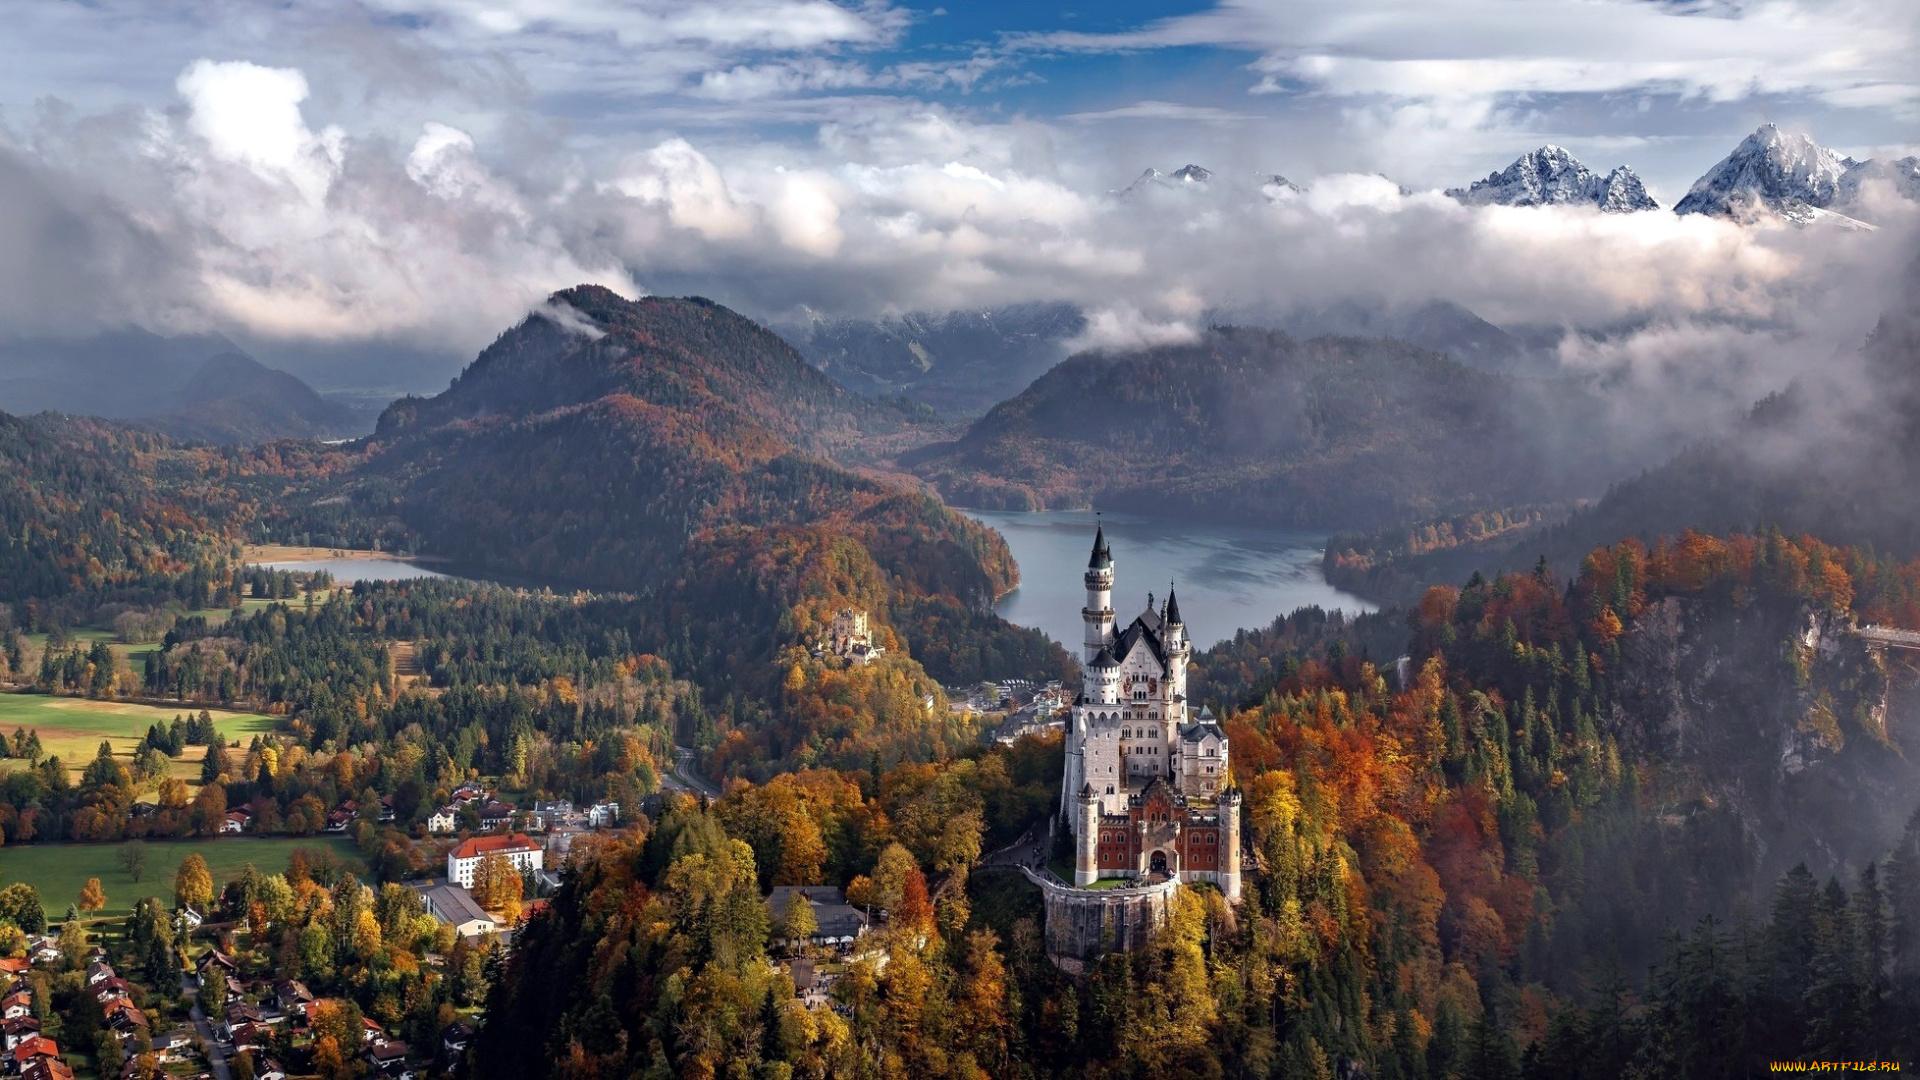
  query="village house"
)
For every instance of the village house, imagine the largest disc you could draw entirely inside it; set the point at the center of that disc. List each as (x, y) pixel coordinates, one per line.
(456, 907)
(112, 989)
(604, 814)
(173, 1043)
(32, 1048)
(837, 923)
(443, 820)
(292, 994)
(16, 1005)
(387, 1057)
(496, 815)
(454, 1040)
(554, 814)
(238, 820)
(47, 1067)
(516, 848)
(18, 1029)
(214, 958)
(125, 1018)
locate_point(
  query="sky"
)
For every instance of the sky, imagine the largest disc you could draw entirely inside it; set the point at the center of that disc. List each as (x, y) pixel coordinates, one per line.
(368, 191)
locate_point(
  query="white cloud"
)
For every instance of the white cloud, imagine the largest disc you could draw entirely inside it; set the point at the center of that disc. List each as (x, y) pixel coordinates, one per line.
(1164, 110)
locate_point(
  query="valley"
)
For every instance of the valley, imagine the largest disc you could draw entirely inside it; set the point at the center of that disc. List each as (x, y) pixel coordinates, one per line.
(1500, 694)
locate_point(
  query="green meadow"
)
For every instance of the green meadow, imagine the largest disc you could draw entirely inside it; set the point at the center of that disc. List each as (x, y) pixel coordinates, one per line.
(59, 871)
(72, 728)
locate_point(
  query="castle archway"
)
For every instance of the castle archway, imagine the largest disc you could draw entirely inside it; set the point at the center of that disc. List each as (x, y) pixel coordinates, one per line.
(1159, 862)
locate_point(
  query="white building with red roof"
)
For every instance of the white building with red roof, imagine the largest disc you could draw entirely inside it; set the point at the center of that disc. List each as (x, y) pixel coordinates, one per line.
(516, 848)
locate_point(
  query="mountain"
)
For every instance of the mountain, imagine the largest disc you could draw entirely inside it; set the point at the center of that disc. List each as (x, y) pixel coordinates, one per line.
(234, 398)
(961, 362)
(119, 374)
(1834, 457)
(1437, 325)
(1253, 425)
(1901, 175)
(199, 387)
(1773, 173)
(1550, 176)
(1186, 176)
(602, 440)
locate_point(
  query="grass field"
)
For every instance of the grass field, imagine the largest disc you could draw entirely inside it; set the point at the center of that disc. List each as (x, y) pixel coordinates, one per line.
(134, 657)
(72, 728)
(60, 870)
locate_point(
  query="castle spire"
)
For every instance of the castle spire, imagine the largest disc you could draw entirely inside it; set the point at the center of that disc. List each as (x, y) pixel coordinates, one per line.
(1173, 607)
(1102, 558)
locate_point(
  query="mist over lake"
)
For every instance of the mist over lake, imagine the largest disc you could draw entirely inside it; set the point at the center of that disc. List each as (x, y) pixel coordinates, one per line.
(1228, 576)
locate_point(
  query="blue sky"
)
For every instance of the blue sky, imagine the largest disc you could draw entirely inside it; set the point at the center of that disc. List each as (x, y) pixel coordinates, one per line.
(315, 175)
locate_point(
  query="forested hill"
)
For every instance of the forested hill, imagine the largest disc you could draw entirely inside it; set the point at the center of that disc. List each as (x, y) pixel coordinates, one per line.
(91, 512)
(596, 441)
(1835, 456)
(687, 354)
(1253, 425)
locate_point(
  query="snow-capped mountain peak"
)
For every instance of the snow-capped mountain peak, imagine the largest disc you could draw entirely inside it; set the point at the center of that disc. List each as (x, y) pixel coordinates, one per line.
(1786, 173)
(1552, 176)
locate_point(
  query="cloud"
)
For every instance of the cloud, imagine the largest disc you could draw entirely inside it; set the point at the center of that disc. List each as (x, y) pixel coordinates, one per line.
(1473, 48)
(253, 203)
(1164, 110)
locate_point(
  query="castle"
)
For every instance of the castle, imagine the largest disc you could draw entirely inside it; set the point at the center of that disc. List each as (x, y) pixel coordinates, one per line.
(1146, 792)
(851, 639)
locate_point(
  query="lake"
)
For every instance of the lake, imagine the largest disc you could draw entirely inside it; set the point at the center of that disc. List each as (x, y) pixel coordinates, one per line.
(1228, 576)
(348, 571)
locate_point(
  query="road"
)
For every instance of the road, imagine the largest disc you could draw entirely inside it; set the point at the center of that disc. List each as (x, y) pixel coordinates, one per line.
(682, 777)
(1029, 852)
(216, 1060)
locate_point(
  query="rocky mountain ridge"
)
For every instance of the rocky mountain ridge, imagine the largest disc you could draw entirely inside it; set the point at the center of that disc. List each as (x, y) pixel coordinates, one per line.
(1552, 176)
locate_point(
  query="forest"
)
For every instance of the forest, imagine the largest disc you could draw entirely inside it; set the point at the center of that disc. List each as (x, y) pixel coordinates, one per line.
(1641, 807)
(1487, 872)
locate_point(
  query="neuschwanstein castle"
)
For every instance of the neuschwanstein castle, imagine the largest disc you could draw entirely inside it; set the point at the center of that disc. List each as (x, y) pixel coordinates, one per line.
(1146, 792)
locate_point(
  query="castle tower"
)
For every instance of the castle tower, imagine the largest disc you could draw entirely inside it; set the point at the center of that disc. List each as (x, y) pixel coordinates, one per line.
(1086, 852)
(1098, 614)
(1230, 843)
(1179, 651)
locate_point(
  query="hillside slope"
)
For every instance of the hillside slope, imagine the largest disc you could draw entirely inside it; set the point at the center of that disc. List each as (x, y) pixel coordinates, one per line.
(233, 398)
(1252, 425)
(597, 441)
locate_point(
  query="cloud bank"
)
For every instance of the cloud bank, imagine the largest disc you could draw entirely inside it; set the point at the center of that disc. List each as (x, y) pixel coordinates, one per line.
(247, 206)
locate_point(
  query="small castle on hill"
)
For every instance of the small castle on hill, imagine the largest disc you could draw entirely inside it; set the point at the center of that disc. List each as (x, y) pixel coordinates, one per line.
(850, 639)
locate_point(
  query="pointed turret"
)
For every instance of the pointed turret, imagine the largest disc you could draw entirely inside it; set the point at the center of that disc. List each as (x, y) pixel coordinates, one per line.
(1173, 608)
(1102, 558)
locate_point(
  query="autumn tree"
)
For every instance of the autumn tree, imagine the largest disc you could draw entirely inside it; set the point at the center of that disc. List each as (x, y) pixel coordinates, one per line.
(496, 882)
(798, 923)
(92, 896)
(193, 883)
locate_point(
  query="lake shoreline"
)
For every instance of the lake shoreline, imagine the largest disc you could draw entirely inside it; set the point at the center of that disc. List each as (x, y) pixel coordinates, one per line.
(1229, 576)
(265, 554)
